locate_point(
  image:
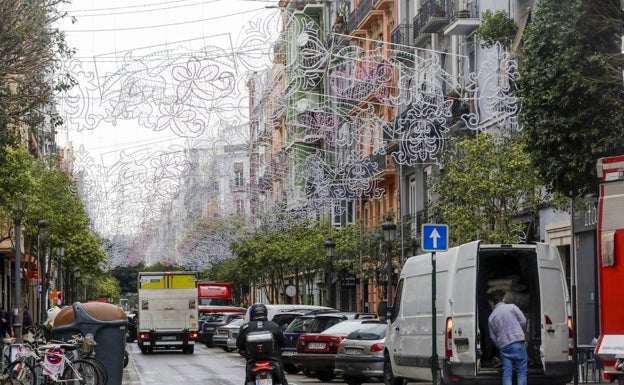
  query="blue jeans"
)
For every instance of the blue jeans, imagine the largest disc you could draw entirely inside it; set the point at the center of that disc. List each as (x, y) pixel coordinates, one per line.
(514, 357)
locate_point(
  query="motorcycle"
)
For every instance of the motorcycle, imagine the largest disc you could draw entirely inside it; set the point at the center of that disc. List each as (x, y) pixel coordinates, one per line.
(264, 373)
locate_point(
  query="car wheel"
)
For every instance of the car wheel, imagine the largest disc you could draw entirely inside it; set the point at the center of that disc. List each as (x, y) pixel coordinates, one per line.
(308, 373)
(325, 375)
(389, 378)
(291, 369)
(350, 380)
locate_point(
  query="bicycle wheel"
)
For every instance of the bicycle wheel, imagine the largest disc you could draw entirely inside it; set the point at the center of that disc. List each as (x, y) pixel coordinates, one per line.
(101, 369)
(81, 372)
(19, 373)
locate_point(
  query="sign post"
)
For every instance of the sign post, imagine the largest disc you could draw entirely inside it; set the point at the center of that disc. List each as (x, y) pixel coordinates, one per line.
(434, 238)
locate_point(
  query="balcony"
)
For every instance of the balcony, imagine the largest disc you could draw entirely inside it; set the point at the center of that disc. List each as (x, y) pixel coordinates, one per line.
(431, 17)
(384, 162)
(463, 21)
(402, 35)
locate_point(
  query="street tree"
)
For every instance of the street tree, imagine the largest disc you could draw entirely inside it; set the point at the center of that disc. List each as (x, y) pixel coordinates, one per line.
(31, 53)
(489, 190)
(571, 90)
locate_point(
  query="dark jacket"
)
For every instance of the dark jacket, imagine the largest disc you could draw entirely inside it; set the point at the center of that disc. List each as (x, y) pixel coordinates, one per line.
(252, 326)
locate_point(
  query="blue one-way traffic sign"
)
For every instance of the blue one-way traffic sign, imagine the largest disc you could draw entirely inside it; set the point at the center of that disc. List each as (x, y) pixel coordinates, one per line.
(434, 237)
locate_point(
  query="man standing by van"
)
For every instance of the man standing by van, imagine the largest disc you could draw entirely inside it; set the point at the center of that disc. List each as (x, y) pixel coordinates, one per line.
(507, 325)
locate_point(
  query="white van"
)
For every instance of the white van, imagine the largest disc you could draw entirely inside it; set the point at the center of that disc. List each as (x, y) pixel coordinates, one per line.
(533, 278)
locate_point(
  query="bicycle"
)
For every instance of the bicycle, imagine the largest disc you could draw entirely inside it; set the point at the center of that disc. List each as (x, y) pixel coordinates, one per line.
(51, 364)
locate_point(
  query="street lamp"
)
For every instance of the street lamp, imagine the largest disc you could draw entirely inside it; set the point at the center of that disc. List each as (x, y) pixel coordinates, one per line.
(41, 274)
(59, 274)
(389, 231)
(17, 325)
(329, 250)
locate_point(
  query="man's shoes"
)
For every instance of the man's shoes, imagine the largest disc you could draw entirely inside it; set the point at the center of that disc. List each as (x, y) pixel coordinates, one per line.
(496, 362)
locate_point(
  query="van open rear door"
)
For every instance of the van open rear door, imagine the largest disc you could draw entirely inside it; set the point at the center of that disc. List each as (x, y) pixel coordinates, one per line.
(462, 342)
(555, 332)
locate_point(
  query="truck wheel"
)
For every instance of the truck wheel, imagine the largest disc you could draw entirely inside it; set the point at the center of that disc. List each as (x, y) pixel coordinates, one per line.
(143, 349)
(353, 380)
(389, 378)
(189, 349)
(325, 375)
(291, 369)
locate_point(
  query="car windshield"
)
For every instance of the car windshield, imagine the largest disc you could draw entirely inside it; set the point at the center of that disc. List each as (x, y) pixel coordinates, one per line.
(299, 325)
(216, 318)
(369, 332)
(236, 322)
(344, 328)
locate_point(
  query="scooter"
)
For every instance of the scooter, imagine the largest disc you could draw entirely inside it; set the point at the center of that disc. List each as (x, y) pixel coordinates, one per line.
(264, 373)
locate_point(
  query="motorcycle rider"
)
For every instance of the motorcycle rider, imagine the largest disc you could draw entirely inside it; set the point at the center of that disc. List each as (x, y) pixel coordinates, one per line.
(258, 322)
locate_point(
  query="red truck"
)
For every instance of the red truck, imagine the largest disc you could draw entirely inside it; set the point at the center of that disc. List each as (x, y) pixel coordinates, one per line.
(216, 297)
(610, 344)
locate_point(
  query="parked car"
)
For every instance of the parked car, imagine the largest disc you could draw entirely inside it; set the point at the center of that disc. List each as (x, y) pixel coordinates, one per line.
(360, 357)
(314, 322)
(225, 336)
(316, 352)
(214, 321)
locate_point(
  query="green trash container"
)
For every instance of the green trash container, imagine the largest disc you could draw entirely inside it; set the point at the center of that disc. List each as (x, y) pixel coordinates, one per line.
(107, 323)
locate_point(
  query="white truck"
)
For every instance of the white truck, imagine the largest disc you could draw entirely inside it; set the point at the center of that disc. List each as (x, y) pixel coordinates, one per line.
(168, 316)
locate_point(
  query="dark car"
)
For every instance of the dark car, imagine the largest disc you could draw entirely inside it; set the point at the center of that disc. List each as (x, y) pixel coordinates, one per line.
(309, 323)
(212, 322)
(316, 352)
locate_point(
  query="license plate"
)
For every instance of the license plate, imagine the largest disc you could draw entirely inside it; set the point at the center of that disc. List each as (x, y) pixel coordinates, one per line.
(352, 351)
(264, 380)
(168, 338)
(316, 345)
(288, 353)
(210, 329)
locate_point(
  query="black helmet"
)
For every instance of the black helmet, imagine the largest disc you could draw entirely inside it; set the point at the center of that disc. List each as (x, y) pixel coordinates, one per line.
(259, 312)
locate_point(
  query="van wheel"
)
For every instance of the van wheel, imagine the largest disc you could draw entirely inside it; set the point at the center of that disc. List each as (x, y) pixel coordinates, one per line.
(389, 378)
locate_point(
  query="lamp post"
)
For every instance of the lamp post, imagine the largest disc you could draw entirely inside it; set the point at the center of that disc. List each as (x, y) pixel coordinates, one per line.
(59, 274)
(17, 325)
(389, 231)
(329, 250)
(41, 274)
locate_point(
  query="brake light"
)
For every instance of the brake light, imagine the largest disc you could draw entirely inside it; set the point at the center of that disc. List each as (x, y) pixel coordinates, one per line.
(144, 336)
(570, 338)
(300, 345)
(193, 335)
(448, 340)
(377, 348)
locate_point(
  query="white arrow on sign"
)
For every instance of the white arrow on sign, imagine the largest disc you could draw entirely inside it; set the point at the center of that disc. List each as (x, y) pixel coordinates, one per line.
(434, 236)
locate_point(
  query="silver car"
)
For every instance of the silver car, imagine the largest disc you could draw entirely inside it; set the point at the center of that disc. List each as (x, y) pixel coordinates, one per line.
(360, 356)
(225, 336)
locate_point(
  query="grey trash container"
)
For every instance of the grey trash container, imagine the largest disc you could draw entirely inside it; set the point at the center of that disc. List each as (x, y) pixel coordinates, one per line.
(106, 322)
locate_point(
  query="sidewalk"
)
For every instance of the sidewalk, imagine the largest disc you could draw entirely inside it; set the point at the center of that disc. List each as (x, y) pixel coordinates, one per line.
(131, 374)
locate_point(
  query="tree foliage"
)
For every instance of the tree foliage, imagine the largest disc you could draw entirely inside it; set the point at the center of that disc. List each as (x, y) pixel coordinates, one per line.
(30, 57)
(571, 90)
(489, 190)
(497, 27)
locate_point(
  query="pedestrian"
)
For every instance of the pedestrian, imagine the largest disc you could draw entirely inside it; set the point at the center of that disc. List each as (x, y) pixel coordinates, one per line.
(259, 322)
(27, 324)
(4, 322)
(507, 325)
